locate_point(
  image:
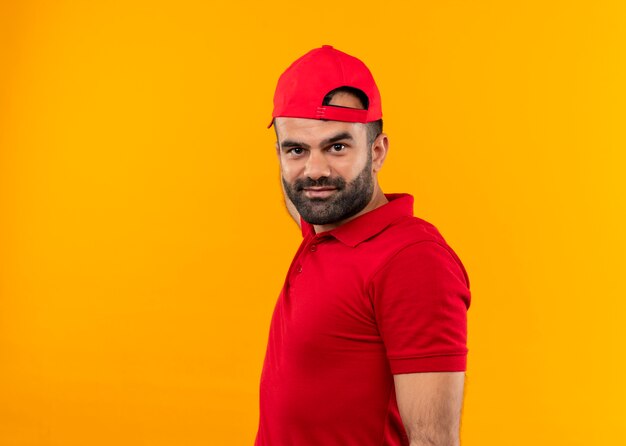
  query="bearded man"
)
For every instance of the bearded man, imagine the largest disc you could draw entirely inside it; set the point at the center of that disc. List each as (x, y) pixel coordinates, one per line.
(368, 340)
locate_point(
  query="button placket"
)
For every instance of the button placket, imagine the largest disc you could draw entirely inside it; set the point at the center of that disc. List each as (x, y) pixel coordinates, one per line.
(312, 247)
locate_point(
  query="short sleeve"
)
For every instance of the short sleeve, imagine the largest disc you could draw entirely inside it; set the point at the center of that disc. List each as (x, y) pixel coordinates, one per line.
(420, 298)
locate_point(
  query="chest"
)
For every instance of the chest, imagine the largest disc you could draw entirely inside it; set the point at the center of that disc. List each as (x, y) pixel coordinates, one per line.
(325, 303)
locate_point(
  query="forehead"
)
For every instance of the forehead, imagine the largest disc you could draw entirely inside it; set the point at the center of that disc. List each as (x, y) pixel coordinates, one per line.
(315, 130)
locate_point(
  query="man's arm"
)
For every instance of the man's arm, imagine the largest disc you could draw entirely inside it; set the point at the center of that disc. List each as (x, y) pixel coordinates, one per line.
(430, 406)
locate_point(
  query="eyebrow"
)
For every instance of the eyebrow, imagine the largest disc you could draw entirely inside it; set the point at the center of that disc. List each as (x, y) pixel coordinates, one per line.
(291, 143)
(343, 136)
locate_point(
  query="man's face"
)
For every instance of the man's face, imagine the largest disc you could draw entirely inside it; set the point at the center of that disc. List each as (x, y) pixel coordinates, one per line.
(326, 168)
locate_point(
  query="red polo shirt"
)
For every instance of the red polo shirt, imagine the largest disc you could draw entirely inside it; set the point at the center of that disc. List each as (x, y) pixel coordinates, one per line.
(380, 295)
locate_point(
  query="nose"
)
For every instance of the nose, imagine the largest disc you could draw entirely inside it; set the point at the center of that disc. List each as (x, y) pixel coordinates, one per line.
(316, 165)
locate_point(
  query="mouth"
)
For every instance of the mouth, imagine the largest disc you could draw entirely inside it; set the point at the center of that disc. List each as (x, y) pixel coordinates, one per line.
(319, 192)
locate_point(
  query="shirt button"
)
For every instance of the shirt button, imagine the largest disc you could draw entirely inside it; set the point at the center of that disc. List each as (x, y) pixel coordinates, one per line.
(299, 269)
(313, 248)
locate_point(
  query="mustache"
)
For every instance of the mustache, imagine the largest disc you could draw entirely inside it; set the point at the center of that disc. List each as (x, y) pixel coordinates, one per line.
(338, 183)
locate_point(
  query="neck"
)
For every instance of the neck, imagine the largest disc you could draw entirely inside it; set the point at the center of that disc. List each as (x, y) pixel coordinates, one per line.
(378, 199)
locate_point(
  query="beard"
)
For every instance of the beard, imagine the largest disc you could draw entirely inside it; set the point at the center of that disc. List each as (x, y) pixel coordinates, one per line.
(349, 199)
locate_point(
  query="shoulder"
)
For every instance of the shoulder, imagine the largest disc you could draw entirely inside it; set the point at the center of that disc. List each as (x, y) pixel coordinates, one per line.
(416, 229)
(417, 246)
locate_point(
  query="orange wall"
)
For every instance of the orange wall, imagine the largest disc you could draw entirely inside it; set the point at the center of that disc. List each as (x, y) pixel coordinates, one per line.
(143, 240)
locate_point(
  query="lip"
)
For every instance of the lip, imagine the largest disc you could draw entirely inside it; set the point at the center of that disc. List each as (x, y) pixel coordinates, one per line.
(319, 192)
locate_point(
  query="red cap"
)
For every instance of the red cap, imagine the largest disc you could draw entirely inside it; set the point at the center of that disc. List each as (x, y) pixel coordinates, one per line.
(302, 87)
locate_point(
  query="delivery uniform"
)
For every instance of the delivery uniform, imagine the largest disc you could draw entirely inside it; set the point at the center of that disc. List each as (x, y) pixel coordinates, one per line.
(382, 294)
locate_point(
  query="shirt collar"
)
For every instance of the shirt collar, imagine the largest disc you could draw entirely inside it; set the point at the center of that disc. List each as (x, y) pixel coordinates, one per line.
(369, 224)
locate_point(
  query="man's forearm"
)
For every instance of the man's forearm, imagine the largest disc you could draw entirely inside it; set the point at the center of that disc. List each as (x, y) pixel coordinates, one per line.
(430, 405)
(430, 437)
(446, 442)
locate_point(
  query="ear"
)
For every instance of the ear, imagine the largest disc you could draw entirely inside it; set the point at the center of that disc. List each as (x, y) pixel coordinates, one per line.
(380, 147)
(278, 150)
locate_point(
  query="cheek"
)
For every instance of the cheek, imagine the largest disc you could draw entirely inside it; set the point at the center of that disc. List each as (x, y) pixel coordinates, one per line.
(289, 169)
(349, 167)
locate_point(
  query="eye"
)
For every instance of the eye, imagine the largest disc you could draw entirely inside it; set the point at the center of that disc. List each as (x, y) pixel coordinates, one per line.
(296, 151)
(338, 147)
